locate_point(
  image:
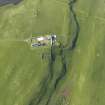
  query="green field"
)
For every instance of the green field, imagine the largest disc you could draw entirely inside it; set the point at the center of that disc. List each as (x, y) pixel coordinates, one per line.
(26, 79)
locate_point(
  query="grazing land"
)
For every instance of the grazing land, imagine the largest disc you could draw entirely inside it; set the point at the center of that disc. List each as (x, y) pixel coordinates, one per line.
(53, 75)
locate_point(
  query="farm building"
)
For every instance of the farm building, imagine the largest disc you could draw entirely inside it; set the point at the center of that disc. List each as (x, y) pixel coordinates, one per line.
(43, 40)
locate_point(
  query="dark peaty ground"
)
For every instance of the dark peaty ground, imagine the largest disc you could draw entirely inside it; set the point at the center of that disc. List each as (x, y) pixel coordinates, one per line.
(4, 2)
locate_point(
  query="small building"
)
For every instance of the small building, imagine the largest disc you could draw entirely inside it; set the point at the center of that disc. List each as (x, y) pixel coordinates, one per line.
(43, 40)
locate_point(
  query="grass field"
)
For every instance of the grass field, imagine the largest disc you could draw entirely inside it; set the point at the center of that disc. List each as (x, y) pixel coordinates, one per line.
(22, 69)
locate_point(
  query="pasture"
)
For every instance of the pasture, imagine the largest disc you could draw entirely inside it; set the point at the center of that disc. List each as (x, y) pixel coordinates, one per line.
(25, 77)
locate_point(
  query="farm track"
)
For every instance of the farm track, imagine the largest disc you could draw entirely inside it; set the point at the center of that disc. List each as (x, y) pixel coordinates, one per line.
(5, 40)
(50, 83)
